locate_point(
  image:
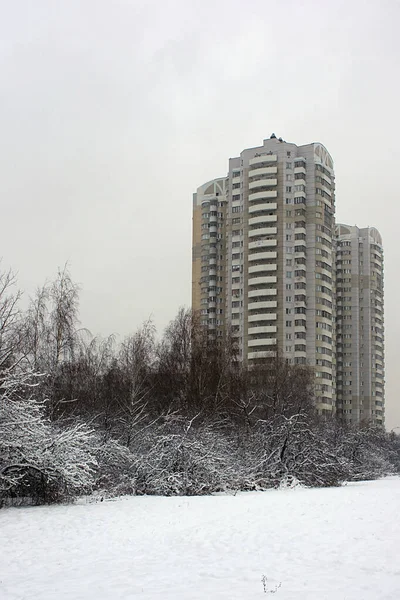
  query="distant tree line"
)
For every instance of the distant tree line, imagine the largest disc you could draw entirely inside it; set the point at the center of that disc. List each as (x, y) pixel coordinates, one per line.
(176, 415)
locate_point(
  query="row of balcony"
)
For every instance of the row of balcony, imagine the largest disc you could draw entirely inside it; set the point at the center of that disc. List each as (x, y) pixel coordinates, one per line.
(265, 158)
(263, 207)
(260, 244)
(262, 183)
(262, 280)
(263, 171)
(262, 268)
(263, 219)
(265, 195)
(263, 231)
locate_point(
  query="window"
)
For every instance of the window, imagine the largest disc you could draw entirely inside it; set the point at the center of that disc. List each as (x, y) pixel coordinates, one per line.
(288, 177)
(288, 336)
(288, 286)
(288, 323)
(288, 201)
(236, 209)
(288, 165)
(288, 348)
(288, 273)
(288, 188)
(300, 347)
(288, 237)
(289, 262)
(300, 323)
(289, 298)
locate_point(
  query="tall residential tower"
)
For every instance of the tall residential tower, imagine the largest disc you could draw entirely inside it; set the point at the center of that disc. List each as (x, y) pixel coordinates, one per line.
(263, 257)
(360, 333)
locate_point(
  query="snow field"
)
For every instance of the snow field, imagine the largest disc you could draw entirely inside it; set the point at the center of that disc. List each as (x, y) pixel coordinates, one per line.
(320, 544)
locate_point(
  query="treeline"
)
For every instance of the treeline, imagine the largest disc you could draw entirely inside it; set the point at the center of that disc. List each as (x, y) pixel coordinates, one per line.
(175, 415)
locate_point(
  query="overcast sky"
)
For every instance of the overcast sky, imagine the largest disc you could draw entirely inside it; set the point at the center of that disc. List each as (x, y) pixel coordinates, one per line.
(112, 112)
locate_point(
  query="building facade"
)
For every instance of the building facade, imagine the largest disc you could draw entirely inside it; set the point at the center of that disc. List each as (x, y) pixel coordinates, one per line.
(271, 267)
(209, 255)
(360, 324)
(263, 257)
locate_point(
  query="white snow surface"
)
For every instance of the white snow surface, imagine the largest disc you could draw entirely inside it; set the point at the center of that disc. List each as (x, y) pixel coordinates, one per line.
(341, 543)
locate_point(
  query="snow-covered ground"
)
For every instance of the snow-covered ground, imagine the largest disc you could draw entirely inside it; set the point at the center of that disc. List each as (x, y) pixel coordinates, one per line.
(319, 544)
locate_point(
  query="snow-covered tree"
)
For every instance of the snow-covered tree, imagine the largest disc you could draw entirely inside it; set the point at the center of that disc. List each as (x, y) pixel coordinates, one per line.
(38, 458)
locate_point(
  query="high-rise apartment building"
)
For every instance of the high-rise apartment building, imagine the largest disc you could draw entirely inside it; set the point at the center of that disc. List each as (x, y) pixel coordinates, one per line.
(271, 267)
(263, 257)
(209, 255)
(360, 333)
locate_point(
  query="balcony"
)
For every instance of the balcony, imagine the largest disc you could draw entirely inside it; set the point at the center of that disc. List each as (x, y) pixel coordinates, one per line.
(300, 230)
(262, 280)
(262, 305)
(263, 219)
(262, 293)
(262, 243)
(261, 268)
(300, 170)
(301, 195)
(263, 171)
(261, 255)
(263, 195)
(260, 354)
(262, 183)
(265, 158)
(263, 231)
(261, 342)
(262, 317)
(264, 207)
(262, 329)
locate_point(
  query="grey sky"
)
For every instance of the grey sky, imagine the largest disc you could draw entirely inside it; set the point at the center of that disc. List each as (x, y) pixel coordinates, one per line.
(112, 112)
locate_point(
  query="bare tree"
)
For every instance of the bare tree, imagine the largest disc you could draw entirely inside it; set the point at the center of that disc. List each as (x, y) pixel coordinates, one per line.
(136, 357)
(10, 320)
